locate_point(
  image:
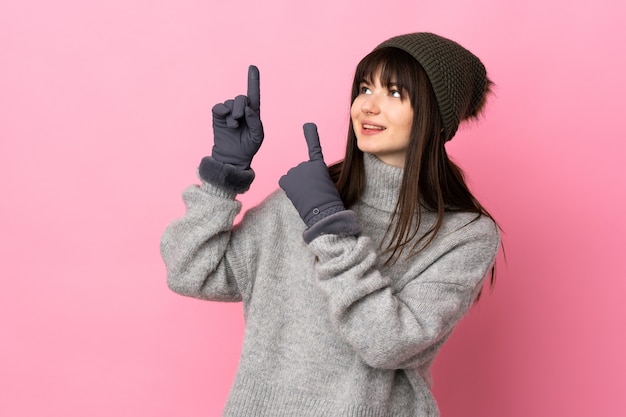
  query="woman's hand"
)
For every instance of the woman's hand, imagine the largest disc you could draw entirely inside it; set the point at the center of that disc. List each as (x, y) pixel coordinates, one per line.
(237, 127)
(309, 186)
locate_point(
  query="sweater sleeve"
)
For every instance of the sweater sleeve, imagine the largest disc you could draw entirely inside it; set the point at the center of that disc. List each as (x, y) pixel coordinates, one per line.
(195, 247)
(398, 325)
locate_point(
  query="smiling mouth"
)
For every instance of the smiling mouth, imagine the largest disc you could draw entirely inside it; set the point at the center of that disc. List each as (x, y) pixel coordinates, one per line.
(372, 127)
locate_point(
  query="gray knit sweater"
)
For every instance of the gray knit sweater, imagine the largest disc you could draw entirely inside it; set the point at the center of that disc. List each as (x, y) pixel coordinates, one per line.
(330, 331)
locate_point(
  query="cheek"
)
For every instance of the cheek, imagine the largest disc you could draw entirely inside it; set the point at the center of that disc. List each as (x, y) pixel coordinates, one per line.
(355, 109)
(408, 121)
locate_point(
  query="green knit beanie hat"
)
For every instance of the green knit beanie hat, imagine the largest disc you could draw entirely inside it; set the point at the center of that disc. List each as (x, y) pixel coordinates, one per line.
(458, 77)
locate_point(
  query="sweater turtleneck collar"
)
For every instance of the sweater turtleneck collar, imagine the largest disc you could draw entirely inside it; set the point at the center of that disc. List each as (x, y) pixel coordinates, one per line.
(382, 183)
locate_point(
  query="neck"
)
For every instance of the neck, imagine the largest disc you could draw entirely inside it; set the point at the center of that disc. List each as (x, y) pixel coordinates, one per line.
(382, 183)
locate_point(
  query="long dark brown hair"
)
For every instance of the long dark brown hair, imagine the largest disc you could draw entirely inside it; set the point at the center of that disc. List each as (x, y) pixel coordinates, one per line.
(431, 180)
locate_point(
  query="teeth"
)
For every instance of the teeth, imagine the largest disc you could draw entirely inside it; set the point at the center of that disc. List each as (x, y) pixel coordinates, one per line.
(373, 127)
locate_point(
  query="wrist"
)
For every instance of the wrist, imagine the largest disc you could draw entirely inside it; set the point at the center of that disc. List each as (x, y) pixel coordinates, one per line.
(225, 175)
(323, 211)
(341, 223)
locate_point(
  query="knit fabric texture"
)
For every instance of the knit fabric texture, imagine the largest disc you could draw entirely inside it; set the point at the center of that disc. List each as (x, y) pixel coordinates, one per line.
(458, 77)
(330, 329)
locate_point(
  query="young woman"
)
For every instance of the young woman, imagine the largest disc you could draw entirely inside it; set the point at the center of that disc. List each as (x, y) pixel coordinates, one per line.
(351, 277)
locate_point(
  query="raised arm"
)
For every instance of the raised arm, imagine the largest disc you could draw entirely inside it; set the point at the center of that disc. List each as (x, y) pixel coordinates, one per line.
(195, 247)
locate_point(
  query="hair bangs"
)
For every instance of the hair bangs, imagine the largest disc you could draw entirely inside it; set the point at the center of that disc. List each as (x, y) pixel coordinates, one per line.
(394, 67)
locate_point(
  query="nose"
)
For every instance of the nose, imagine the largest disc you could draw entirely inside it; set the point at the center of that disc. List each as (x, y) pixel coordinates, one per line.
(370, 105)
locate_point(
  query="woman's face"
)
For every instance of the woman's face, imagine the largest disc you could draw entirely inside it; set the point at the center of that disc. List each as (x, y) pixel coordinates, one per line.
(382, 118)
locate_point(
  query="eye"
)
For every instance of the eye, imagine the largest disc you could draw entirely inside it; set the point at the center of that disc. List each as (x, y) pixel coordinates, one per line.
(365, 90)
(395, 94)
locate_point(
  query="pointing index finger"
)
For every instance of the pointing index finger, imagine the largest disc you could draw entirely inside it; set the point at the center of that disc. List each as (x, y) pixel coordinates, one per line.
(254, 89)
(313, 141)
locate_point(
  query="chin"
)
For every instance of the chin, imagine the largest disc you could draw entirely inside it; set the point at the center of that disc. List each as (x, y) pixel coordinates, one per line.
(366, 146)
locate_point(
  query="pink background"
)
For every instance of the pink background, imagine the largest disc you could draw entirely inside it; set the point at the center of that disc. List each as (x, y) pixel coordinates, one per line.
(105, 113)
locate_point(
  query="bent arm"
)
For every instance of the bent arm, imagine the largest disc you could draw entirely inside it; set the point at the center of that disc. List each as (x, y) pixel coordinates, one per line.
(194, 247)
(398, 328)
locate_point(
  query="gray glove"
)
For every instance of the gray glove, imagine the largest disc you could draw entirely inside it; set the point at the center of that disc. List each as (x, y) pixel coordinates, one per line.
(238, 134)
(315, 196)
(237, 127)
